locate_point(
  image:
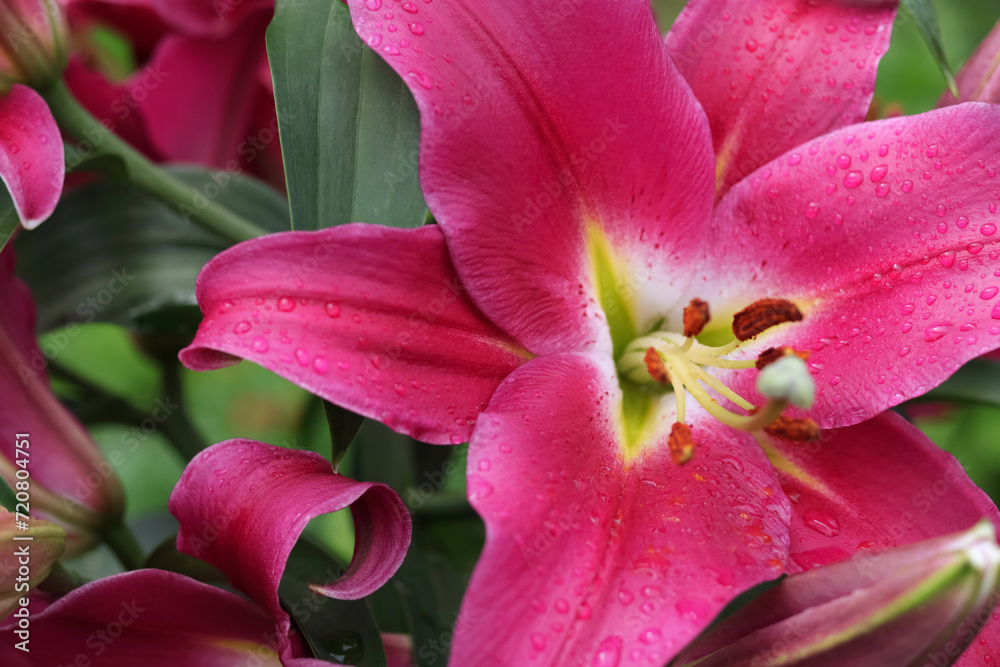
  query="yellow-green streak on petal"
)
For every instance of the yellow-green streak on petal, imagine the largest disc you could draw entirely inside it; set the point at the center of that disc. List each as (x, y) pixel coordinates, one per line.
(262, 652)
(782, 463)
(613, 294)
(608, 285)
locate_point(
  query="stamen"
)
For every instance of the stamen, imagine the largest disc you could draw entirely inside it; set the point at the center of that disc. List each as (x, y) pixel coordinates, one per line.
(762, 315)
(655, 366)
(799, 429)
(681, 443)
(772, 354)
(788, 379)
(695, 317)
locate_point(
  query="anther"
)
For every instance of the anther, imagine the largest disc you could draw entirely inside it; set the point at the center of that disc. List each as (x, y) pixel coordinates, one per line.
(695, 317)
(654, 364)
(762, 315)
(772, 354)
(799, 429)
(681, 443)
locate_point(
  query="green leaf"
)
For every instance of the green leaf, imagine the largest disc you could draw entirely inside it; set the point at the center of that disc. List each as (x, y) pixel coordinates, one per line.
(976, 382)
(925, 17)
(9, 221)
(340, 631)
(112, 253)
(344, 425)
(349, 127)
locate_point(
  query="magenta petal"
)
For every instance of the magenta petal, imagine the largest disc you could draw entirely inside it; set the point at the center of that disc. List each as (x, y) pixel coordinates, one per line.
(32, 162)
(242, 505)
(590, 557)
(878, 484)
(197, 17)
(773, 75)
(150, 618)
(371, 318)
(914, 295)
(539, 120)
(71, 481)
(186, 73)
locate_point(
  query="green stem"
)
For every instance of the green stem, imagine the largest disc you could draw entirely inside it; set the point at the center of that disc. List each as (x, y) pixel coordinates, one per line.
(82, 126)
(125, 546)
(61, 581)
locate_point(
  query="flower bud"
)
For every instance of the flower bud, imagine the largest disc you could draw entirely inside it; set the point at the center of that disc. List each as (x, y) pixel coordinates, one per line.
(979, 78)
(28, 548)
(917, 604)
(32, 43)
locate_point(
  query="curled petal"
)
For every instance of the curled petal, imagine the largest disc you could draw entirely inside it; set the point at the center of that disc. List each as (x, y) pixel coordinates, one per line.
(242, 505)
(32, 162)
(979, 78)
(368, 317)
(154, 618)
(773, 75)
(596, 557)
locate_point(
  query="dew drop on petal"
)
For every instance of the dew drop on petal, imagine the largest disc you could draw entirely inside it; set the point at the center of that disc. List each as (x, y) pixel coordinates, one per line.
(373, 5)
(853, 179)
(321, 365)
(650, 635)
(878, 173)
(989, 229)
(822, 523)
(609, 653)
(989, 293)
(302, 357)
(333, 309)
(242, 327)
(286, 304)
(538, 641)
(260, 344)
(416, 28)
(936, 331)
(961, 222)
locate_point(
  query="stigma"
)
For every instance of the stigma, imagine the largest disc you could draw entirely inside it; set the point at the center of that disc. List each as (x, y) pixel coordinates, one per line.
(679, 362)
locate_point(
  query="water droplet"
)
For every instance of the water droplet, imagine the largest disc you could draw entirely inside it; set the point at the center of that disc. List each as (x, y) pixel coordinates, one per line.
(932, 150)
(947, 259)
(424, 80)
(907, 308)
(878, 173)
(226, 307)
(936, 331)
(881, 190)
(751, 45)
(321, 365)
(650, 635)
(609, 653)
(625, 596)
(416, 28)
(302, 357)
(242, 327)
(286, 304)
(260, 344)
(906, 186)
(961, 222)
(485, 464)
(333, 309)
(794, 159)
(561, 606)
(812, 210)
(989, 293)
(843, 161)
(989, 229)
(375, 39)
(853, 179)
(538, 641)
(822, 523)
(373, 5)
(883, 150)
(457, 439)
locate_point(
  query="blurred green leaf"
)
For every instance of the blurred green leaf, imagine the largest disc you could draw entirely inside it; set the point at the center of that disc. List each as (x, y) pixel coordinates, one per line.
(112, 253)
(340, 631)
(925, 17)
(349, 127)
(976, 382)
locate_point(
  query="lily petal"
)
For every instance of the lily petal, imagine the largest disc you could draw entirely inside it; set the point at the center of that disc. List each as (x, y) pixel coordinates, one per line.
(772, 76)
(71, 481)
(154, 618)
(371, 318)
(832, 483)
(32, 162)
(529, 149)
(242, 505)
(196, 17)
(591, 557)
(915, 200)
(979, 79)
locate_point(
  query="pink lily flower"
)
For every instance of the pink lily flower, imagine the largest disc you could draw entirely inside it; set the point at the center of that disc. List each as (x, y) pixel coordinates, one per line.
(594, 218)
(979, 78)
(71, 482)
(32, 162)
(241, 506)
(195, 55)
